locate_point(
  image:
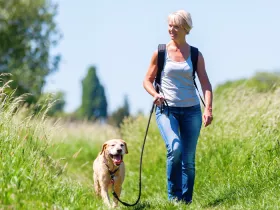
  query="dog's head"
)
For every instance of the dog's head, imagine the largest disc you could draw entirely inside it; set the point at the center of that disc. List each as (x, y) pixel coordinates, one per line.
(115, 149)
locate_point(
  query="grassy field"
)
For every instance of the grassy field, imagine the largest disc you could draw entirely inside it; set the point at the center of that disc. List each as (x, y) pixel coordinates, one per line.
(47, 164)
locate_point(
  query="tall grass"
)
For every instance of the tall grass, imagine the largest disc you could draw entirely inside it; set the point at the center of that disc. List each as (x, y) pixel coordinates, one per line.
(30, 178)
(48, 164)
(238, 156)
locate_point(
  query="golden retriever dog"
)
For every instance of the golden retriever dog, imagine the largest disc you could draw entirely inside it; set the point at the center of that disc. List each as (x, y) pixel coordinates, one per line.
(109, 167)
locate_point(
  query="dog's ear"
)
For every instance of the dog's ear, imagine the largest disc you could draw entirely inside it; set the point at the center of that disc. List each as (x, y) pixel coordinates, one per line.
(126, 150)
(103, 148)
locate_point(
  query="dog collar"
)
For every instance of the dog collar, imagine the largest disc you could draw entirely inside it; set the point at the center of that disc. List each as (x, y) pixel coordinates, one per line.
(112, 173)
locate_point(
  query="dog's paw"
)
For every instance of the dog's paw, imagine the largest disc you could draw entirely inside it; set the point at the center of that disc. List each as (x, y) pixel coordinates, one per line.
(114, 205)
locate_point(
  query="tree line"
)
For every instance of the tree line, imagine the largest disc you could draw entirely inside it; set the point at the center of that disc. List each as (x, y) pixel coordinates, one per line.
(28, 32)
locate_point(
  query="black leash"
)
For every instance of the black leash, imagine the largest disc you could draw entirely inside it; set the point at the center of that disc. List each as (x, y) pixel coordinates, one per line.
(142, 151)
(140, 169)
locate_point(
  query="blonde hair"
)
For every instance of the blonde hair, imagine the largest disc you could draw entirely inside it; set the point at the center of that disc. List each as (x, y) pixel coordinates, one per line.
(181, 18)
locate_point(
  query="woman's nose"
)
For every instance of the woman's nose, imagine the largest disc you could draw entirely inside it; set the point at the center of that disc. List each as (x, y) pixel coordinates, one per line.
(172, 29)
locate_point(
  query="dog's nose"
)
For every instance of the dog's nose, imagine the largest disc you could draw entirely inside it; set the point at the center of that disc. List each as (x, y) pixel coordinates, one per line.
(119, 150)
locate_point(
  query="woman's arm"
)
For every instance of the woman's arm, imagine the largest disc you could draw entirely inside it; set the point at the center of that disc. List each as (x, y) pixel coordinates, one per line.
(206, 88)
(149, 79)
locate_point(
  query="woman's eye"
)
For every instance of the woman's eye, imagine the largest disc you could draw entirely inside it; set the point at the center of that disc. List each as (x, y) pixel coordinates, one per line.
(174, 26)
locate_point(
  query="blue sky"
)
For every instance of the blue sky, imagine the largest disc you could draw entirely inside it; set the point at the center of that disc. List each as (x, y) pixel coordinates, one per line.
(237, 38)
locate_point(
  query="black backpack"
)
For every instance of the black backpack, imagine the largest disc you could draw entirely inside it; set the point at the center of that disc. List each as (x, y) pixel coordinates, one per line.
(160, 63)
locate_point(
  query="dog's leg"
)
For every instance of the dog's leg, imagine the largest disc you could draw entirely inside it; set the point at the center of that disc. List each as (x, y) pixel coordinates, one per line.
(96, 185)
(117, 190)
(104, 194)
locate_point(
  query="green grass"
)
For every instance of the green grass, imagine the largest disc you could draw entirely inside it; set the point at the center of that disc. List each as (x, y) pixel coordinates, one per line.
(48, 165)
(238, 156)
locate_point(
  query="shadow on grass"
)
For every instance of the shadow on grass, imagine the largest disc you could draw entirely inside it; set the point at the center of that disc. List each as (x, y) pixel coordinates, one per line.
(233, 195)
(139, 206)
(224, 198)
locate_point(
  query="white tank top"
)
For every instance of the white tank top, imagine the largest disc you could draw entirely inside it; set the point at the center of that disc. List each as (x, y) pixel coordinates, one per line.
(177, 83)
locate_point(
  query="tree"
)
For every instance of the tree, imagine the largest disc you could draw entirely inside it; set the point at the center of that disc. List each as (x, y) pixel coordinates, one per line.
(120, 114)
(94, 102)
(126, 106)
(27, 33)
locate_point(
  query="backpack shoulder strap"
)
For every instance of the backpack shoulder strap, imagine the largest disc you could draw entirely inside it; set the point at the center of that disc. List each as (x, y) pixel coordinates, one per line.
(194, 58)
(160, 63)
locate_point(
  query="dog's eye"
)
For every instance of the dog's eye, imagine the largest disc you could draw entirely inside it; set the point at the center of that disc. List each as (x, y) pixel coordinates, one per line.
(112, 145)
(122, 145)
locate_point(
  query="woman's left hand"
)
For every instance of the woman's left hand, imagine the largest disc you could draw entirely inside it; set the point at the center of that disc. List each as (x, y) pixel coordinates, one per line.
(207, 117)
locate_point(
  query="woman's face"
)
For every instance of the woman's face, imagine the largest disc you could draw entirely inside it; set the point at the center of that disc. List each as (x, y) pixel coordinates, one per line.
(175, 31)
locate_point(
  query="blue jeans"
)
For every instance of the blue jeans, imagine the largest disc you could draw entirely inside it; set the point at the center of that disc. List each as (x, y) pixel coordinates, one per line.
(180, 128)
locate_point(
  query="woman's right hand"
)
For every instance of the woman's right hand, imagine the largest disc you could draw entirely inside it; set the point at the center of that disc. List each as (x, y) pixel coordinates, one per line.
(158, 99)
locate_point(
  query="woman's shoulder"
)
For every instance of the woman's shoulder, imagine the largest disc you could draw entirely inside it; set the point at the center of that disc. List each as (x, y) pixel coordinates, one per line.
(155, 53)
(154, 56)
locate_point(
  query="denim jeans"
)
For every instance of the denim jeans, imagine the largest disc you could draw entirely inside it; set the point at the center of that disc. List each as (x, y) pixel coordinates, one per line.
(180, 128)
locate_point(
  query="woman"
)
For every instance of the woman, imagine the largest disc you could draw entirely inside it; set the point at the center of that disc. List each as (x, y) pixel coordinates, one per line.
(179, 122)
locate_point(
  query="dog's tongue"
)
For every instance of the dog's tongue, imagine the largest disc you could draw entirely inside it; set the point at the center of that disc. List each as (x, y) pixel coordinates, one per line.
(117, 159)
